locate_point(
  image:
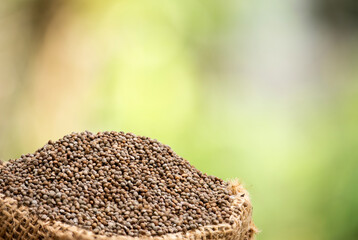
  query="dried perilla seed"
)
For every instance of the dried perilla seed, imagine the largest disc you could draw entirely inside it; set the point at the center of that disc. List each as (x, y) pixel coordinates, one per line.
(116, 183)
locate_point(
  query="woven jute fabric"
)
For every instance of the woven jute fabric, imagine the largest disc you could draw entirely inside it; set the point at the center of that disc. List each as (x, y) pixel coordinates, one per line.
(17, 223)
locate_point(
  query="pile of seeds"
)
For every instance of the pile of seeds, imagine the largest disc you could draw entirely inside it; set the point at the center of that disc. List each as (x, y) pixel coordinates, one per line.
(116, 183)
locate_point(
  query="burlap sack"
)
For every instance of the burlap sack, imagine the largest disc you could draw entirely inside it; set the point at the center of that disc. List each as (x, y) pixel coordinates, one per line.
(17, 223)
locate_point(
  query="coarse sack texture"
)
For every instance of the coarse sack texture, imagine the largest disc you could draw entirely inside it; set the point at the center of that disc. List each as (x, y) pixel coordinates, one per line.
(18, 223)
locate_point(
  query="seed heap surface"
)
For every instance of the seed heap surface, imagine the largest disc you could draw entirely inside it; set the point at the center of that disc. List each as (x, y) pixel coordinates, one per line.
(116, 183)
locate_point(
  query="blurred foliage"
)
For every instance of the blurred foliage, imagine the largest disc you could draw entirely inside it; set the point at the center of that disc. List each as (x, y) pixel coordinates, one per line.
(191, 74)
(338, 14)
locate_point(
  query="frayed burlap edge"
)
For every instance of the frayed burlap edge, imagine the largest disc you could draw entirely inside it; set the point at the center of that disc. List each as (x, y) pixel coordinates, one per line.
(17, 223)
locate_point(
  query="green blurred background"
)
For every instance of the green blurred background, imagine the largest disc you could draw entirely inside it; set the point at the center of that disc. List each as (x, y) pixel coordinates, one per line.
(263, 91)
